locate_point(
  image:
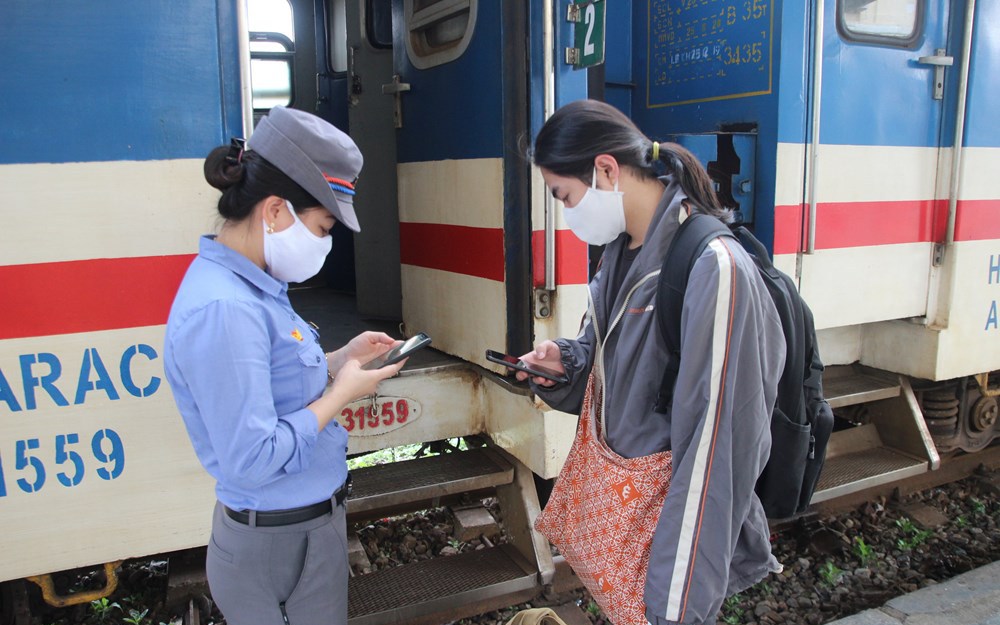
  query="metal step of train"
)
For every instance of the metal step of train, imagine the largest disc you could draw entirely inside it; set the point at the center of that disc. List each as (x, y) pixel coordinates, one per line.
(431, 591)
(382, 490)
(890, 443)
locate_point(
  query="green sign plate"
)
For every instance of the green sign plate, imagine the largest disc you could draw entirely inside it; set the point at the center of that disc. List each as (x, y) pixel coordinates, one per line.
(588, 33)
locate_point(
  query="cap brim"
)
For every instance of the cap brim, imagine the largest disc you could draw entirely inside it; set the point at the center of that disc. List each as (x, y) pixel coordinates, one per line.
(294, 163)
(345, 204)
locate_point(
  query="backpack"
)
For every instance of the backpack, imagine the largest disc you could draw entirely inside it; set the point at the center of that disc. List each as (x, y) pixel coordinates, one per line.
(802, 420)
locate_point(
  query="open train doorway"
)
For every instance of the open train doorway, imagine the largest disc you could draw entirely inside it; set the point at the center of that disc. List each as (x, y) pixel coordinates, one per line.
(422, 88)
(326, 57)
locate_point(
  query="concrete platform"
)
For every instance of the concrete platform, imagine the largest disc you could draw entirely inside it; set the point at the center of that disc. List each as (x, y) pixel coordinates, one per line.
(972, 598)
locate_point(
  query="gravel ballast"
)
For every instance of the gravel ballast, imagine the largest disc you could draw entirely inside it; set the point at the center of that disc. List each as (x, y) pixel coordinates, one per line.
(833, 567)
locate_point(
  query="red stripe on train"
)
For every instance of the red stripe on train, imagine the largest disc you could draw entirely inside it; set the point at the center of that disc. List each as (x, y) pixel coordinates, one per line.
(862, 224)
(474, 252)
(88, 295)
(571, 258)
(479, 252)
(977, 220)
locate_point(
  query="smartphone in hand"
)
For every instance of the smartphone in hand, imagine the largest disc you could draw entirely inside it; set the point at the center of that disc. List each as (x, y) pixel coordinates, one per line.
(401, 351)
(534, 370)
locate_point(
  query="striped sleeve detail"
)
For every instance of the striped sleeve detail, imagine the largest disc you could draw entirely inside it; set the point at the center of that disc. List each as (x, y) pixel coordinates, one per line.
(704, 447)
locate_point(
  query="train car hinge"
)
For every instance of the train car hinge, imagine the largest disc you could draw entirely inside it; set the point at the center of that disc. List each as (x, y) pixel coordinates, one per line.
(938, 259)
(543, 303)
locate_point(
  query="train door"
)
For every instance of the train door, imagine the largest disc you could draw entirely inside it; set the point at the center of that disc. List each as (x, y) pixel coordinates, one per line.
(447, 99)
(437, 98)
(369, 67)
(876, 207)
(467, 97)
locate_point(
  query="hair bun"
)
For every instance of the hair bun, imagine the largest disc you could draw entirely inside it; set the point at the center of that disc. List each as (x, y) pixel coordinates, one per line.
(220, 171)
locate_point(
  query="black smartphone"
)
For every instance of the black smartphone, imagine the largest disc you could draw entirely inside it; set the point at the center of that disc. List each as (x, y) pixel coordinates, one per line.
(515, 363)
(401, 351)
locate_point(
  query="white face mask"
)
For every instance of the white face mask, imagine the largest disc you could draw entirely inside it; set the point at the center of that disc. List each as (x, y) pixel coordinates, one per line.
(295, 254)
(599, 217)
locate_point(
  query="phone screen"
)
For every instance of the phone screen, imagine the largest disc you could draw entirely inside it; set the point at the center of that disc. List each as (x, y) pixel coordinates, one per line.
(401, 351)
(518, 364)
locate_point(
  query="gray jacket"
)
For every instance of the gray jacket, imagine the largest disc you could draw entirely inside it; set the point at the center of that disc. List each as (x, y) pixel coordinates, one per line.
(712, 539)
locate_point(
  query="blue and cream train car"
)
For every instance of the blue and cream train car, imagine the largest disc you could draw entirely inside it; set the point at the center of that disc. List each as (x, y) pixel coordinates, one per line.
(108, 111)
(855, 136)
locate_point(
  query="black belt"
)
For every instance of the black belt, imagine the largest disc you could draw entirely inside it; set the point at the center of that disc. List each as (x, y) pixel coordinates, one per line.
(274, 518)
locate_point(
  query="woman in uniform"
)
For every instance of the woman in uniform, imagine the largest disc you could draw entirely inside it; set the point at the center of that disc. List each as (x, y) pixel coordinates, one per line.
(250, 378)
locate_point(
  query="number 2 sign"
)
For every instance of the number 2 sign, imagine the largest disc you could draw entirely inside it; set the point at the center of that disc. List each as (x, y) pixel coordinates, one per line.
(589, 20)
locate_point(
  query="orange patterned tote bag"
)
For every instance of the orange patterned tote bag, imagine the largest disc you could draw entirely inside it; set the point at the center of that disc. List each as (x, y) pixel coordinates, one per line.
(602, 514)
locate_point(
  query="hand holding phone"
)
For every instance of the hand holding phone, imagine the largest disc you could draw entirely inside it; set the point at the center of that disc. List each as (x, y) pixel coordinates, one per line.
(399, 352)
(519, 365)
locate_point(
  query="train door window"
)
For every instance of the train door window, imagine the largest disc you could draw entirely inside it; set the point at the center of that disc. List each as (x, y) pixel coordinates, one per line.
(337, 34)
(438, 31)
(378, 23)
(272, 52)
(886, 22)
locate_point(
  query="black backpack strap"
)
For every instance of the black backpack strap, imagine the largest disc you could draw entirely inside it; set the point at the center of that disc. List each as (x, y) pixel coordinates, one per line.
(757, 251)
(687, 245)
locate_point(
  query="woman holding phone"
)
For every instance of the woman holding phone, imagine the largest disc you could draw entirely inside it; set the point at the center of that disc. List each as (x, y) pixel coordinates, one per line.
(250, 379)
(622, 190)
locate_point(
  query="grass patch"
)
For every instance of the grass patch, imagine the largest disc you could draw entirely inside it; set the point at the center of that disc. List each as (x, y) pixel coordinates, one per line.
(404, 452)
(913, 535)
(864, 551)
(830, 573)
(732, 613)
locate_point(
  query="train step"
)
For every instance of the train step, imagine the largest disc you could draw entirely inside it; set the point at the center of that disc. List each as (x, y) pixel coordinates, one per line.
(857, 459)
(385, 489)
(890, 442)
(847, 386)
(415, 592)
(433, 591)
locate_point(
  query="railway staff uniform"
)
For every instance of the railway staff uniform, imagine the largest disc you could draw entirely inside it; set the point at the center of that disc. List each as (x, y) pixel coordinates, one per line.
(711, 539)
(248, 375)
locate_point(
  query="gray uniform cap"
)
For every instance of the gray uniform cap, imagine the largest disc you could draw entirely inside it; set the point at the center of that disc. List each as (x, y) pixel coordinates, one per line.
(310, 151)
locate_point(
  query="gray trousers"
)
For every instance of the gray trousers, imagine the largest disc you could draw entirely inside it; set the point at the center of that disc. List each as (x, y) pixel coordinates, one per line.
(290, 575)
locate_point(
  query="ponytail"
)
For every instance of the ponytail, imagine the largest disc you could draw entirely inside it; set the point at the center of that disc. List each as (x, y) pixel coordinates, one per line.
(691, 176)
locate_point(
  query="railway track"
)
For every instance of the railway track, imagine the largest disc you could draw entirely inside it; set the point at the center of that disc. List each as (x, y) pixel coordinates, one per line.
(22, 601)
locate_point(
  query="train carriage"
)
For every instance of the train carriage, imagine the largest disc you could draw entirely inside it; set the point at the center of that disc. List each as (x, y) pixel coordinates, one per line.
(855, 137)
(108, 114)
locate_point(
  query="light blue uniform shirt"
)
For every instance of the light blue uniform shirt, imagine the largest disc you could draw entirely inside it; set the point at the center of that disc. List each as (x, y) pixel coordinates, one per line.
(243, 366)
